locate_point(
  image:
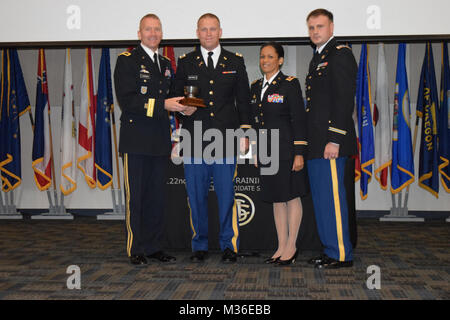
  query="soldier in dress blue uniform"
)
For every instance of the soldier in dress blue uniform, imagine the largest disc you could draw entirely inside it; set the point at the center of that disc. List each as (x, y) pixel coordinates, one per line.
(142, 81)
(330, 90)
(277, 103)
(223, 85)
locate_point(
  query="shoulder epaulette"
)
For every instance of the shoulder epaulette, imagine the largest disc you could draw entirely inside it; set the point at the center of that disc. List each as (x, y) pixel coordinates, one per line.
(125, 53)
(343, 46)
(290, 78)
(239, 54)
(167, 58)
(255, 81)
(183, 56)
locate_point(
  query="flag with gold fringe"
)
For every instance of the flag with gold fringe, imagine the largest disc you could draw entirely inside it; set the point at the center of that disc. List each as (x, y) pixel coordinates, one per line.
(402, 169)
(103, 148)
(382, 121)
(14, 102)
(42, 153)
(68, 132)
(365, 123)
(86, 123)
(444, 121)
(427, 103)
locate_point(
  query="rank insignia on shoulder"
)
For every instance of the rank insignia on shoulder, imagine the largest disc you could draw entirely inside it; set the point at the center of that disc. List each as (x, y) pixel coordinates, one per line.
(343, 46)
(239, 54)
(290, 78)
(167, 58)
(125, 53)
(255, 81)
(183, 56)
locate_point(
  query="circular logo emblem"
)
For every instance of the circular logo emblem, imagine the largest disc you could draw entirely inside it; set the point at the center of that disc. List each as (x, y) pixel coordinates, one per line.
(245, 208)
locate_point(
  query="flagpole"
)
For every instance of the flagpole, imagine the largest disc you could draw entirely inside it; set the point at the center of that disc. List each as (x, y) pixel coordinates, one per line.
(399, 213)
(414, 153)
(2, 207)
(31, 119)
(116, 193)
(54, 212)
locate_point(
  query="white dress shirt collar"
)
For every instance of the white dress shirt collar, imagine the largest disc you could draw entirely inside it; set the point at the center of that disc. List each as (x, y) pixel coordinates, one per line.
(149, 51)
(271, 78)
(215, 56)
(264, 88)
(324, 45)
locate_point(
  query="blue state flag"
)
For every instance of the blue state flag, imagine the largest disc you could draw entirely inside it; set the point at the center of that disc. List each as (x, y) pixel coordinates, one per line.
(42, 154)
(14, 102)
(402, 171)
(427, 102)
(365, 123)
(103, 150)
(444, 121)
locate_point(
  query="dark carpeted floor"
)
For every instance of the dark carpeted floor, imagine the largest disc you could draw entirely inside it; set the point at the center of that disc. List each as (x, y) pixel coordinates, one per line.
(414, 262)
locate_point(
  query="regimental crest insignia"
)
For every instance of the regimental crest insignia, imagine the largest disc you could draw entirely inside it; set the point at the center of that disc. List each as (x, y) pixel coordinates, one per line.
(245, 208)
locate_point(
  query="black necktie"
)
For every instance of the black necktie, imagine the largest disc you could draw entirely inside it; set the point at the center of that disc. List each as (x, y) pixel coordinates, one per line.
(316, 58)
(155, 61)
(262, 90)
(210, 62)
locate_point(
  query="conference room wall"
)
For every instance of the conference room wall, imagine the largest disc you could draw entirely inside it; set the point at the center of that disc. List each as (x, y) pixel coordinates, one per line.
(27, 196)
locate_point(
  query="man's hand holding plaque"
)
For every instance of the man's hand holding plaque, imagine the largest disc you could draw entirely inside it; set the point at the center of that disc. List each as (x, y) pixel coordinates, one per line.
(190, 100)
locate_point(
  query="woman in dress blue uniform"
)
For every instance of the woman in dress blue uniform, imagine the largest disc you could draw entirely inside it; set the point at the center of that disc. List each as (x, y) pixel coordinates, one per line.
(277, 103)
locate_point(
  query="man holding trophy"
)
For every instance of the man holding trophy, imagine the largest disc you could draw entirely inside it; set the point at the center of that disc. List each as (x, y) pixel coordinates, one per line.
(216, 84)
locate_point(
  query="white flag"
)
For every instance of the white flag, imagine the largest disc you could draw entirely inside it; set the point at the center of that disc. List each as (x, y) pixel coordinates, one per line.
(68, 132)
(86, 124)
(382, 119)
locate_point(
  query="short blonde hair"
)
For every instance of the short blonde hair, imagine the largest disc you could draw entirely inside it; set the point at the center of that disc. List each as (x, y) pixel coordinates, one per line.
(149, 15)
(208, 15)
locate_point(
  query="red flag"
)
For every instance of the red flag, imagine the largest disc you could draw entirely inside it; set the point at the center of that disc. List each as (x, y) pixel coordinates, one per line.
(86, 125)
(169, 54)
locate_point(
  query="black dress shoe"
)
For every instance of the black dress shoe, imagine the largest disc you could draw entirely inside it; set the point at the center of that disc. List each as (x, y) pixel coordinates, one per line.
(316, 260)
(229, 256)
(330, 263)
(162, 257)
(138, 260)
(272, 260)
(289, 261)
(199, 256)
